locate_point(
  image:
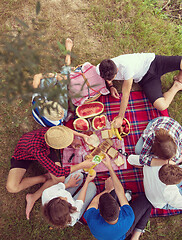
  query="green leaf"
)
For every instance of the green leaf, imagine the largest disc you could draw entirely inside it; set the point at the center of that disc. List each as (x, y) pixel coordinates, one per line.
(61, 46)
(37, 7)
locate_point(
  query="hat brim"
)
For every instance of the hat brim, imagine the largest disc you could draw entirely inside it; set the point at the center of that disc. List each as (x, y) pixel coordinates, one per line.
(60, 143)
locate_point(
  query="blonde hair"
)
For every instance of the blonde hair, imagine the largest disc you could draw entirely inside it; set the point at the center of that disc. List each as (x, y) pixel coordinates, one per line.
(164, 145)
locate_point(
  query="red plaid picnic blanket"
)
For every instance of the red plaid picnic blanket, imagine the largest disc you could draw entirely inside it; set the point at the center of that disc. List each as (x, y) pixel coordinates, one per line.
(139, 112)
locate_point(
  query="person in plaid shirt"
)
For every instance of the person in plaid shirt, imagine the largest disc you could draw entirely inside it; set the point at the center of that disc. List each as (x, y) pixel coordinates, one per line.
(160, 142)
(39, 145)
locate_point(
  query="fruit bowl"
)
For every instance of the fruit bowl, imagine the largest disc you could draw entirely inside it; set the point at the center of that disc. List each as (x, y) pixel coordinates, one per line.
(123, 131)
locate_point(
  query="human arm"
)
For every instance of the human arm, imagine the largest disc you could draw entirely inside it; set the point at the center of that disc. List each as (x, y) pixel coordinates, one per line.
(85, 164)
(126, 88)
(95, 202)
(83, 191)
(84, 136)
(117, 184)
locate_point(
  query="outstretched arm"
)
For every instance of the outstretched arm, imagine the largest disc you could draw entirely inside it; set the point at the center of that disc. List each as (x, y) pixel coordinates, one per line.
(126, 88)
(117, 184)
(95, 202)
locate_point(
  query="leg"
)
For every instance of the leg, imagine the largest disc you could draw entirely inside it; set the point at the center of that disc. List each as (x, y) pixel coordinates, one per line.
(163, 103)
(68, 45)
(142, 208)
(16, 182)
(73, 189)
(91, 192)
(32, 198)
(178, 77)
(151, 82)
(170, 64)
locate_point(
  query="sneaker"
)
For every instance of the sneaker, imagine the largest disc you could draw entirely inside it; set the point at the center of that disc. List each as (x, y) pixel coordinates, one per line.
(128, 195)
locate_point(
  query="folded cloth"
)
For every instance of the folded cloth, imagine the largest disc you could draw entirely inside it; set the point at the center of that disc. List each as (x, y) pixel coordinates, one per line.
(80, 89)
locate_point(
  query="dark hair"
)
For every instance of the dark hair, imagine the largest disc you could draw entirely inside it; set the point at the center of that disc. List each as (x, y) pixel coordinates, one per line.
(164, 145)
(107, 69)
(108, 207)
(57, 211)
(170, 174)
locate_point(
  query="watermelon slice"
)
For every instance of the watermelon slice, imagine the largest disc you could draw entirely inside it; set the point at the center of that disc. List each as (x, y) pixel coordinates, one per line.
(99, 122)
(90, 109)
(81, 124)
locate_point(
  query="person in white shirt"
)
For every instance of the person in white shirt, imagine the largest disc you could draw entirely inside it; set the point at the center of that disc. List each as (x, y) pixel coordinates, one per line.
(162, 184)
(60, 208)
(145, 69)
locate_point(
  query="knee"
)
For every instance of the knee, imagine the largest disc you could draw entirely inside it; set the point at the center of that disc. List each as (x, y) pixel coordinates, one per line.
(12, 188)
(160, 104)
(57, 180)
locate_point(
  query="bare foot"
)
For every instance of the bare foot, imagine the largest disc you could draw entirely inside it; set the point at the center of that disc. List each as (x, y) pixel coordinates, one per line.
(68, 44)
(47, 176)
(30, 204)
(178, 77)
(178, 85)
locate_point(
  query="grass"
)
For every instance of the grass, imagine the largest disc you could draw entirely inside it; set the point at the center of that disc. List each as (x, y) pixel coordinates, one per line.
(100, 29)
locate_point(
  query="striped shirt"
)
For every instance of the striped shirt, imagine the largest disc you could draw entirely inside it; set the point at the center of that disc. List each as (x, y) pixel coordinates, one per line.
(32, 146)
(175, 131)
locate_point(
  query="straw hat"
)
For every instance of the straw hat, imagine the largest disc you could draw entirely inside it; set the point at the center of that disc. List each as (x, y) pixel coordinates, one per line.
(53, 111)
(59, 137)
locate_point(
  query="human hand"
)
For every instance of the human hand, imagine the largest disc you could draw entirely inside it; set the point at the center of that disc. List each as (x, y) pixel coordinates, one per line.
(87, 163)
(90, 178)
(86, 138)
(109, 185)
(73, 181)
(117, 122)
(114, 92)
(107, 162)
(76, 143)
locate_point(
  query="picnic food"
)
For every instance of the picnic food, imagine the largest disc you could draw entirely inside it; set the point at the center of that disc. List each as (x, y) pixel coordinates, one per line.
(122, 131)
(93, 140)
(99, 122)
(106, 134)
(81, 124)
(97, 159)
(119, 161)
(90, 109)
(91, 172)
(113, 153)
(104, 146)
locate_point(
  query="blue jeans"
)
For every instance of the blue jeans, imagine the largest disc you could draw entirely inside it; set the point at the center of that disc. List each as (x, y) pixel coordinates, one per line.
(91, 191)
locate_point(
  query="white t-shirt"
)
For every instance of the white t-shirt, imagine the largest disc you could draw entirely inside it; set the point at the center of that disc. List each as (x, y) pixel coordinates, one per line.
(133, 65)
(58, 190)
(158, 193)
